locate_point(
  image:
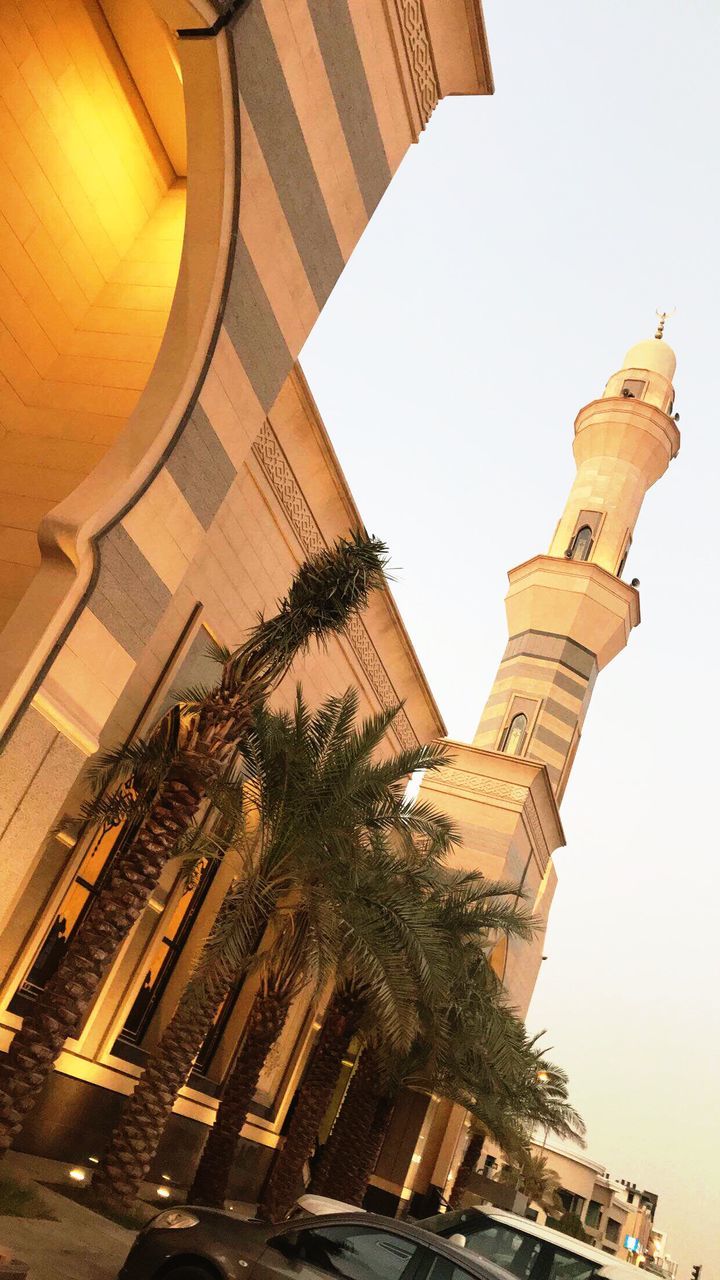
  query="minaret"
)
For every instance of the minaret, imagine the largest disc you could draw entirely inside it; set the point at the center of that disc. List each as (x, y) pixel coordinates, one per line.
(569, 613)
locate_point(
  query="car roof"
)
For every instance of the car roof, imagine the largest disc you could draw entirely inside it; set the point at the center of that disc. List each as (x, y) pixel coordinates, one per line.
(481, 1267)
(325, 1204)
(610, 1266)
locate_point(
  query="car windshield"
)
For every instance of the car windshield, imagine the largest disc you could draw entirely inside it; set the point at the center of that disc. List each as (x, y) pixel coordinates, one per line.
(522, 1254)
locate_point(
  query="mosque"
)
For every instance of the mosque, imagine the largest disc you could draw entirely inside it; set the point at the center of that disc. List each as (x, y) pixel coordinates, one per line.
(184, 182)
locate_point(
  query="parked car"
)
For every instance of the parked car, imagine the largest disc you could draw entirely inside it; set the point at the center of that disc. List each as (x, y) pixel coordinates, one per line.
(526, 1249)
(189, 1243)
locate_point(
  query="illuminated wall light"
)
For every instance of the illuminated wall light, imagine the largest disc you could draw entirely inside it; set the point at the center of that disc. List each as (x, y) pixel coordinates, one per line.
(166, 1177)
(163, 1193)
(77, 1175)
(94, 1159)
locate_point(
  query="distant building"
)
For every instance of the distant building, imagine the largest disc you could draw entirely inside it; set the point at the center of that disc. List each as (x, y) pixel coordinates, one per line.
(615, 1214)
(658, 1258)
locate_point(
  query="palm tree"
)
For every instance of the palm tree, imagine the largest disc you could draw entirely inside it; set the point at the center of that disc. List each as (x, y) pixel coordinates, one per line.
(487, 1120)
(283, 980)
(460, 903)
(479, 1057)
(468, 1164)
(542, 1090)
(355, 1141)
(367, 911)
(169, 776)
(351, 1152)
(531, 1174)
(311, 816)
(536, 1093)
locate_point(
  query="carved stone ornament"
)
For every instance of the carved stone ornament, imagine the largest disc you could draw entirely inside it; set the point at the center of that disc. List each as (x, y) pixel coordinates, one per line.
(537, 835)
(269, 453)
(419, 55)
(493, 788)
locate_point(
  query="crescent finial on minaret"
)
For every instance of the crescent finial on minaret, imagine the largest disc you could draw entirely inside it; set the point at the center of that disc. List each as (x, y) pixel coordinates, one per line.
(662, 317)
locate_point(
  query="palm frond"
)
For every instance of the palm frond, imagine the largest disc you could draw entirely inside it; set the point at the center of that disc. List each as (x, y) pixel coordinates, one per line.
(328, 588)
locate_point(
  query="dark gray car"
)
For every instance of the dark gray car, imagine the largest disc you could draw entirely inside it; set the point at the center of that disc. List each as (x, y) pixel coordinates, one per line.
(206, 1244)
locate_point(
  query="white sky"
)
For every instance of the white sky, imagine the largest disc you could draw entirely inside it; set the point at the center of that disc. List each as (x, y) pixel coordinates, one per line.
(521, 249)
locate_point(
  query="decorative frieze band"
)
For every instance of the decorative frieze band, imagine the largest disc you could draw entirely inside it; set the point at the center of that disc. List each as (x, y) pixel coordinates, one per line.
(269, 453)
(419, 55)
(493, 788)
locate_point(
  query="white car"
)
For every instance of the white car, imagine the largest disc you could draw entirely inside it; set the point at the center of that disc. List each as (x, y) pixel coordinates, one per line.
(318, 1205)
(524, 1248)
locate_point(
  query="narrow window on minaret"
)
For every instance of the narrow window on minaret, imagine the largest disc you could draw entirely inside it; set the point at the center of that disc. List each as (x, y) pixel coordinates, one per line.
(625, 555)
(514, 735)
(633, 389)
(581, 545)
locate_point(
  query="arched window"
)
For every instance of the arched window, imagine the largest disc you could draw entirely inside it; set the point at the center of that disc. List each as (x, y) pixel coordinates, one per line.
(106, 843)
(514, 735)
(581, 545)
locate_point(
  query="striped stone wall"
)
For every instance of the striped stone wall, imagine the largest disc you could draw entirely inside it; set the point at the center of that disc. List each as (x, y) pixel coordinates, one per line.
(331, 94)
(550, 678)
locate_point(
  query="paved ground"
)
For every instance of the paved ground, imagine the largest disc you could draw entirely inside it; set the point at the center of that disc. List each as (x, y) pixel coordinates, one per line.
(81, 1245)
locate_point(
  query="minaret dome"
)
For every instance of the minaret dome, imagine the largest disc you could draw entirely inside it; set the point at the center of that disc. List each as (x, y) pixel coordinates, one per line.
(654, 355)
(646, 374)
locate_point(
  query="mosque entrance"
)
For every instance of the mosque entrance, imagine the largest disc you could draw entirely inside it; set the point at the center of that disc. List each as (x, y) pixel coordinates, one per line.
(92, 214)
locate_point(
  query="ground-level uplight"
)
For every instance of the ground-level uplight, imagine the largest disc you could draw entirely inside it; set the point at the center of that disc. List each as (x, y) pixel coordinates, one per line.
(77, 1175)
(163, 1193)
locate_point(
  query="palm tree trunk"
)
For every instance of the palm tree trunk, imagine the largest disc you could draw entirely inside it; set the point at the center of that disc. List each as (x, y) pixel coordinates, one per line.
(136, 1137)
(472, 1154)
(343, 1151)
(265, 1022)
(360, 1137)
(316, 1091)
(368, 1152)
(61, 1007)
